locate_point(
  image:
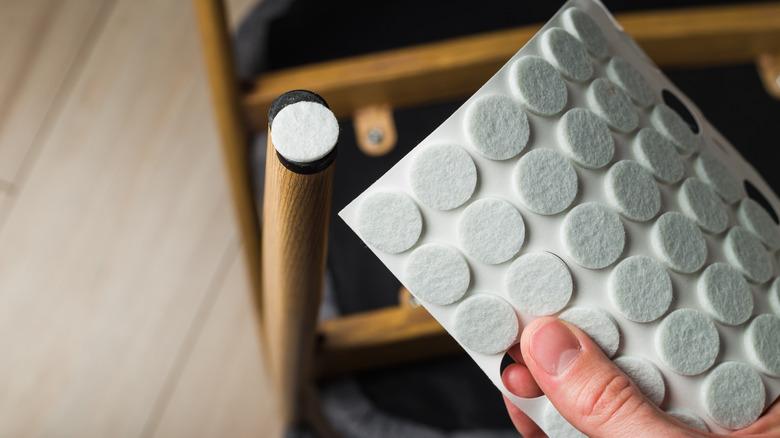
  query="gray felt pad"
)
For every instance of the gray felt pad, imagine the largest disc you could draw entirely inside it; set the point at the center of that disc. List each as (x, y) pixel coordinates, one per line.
(687, 342)
(746, 253)
(437, 274)
(538, 284)
(631, 81)
(586, 30)
(612, 104)
(645, 376)
(443, 177)
(597, 324)
(671, 125)
(567, 54)
(632, 191)
(715, 173)
(700, 202)
(545, 181)
(640, 288)
(585, 138)
(678, 242)
(593, 235)
(485, 324)
(762, 343)
(724, 294)
(491, 230)
(389, 221)
(756, 219)
(497, 126)
(689, 419)
(734, 395)
(557, 426)
(538, 85)
(657, 154)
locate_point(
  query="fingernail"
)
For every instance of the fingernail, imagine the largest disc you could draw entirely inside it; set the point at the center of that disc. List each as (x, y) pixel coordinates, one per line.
(554, 347)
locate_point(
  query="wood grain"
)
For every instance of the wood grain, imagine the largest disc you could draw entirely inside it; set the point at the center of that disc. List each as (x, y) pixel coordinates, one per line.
(40, 44)
(456, 68)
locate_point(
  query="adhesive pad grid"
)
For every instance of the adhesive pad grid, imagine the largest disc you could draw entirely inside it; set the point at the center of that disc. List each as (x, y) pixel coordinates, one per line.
(589, 193)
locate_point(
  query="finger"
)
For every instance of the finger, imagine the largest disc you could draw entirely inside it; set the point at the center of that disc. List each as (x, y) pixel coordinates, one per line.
(586, 387)
(519, 381)
(515, 353)
(523, 424)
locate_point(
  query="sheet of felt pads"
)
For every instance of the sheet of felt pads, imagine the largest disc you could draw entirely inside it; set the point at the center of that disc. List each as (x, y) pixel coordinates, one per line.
(566, 186)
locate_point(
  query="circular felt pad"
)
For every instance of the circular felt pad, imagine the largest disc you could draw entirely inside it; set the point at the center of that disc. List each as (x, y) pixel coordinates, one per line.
(673, 127)
(567, 54)
(491, 230)
(304, 132)
(774, 296)
(689, 419)
(658, 155)
(756, 219)
(485, 324)
(389, 221)
(443, 177)
(437, 274)
(678, 242)
(597, 324)
(586, 30)
(593, 235)
(557, 426)
(585, 138)
(687, 342)
(622, 73)
(538, 85)
(734, 395)
(762, 343)
(746, 253)
(645, 376)
(538, 284)
(700, 202)
(612, 105)
(545, 181)
(725, 294)
(716, 174)
(632, 191)
(497, 126)
(640, 288)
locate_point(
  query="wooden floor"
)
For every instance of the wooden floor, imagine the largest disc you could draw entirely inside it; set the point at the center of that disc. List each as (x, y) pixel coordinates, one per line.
(124, 307)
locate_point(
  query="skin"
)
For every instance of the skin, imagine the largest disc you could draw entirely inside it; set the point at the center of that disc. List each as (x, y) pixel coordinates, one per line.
(591, 392)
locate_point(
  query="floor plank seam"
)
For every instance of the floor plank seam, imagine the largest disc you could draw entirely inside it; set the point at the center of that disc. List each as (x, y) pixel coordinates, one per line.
(194, 331)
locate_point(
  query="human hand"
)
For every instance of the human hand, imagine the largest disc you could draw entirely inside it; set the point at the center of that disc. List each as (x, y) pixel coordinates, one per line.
(561, 361)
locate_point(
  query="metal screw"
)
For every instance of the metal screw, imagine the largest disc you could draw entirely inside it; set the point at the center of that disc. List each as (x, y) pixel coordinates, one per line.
(375, 135)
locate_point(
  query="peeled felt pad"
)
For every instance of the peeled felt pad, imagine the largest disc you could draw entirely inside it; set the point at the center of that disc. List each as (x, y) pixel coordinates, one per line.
(657, 154)
(497, 126)
(687, 342)
(700, 202)
(491, 230)
(640, 288)
(556, 426)
(597, 324)
(538, 85)
(612, 104)
(734, 395)
(678, 242)
(725, 294)
(774, 296)
(762, 343)
(586, 30)
(632, 191)
(304, 132)
(585, 138)
(567, 54)
(746, 253)
(545, 181)
(689, 419)
(437, 274)
(631, 81)
(715, 173)
(756, 219)
(645, 376)
(593, 235)
(538, 284)
(443, 177)
(671, 125)
(390, 221)
(485, 324)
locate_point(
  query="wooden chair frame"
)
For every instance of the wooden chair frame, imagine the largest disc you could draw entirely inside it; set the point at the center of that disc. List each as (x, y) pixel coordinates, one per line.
(406, 77)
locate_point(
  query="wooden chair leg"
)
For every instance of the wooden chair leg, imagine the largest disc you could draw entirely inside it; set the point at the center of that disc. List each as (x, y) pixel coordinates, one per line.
(769, 69)
(296, 212)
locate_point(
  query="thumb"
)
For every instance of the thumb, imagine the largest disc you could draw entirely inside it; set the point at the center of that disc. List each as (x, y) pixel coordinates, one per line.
(586, 387)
